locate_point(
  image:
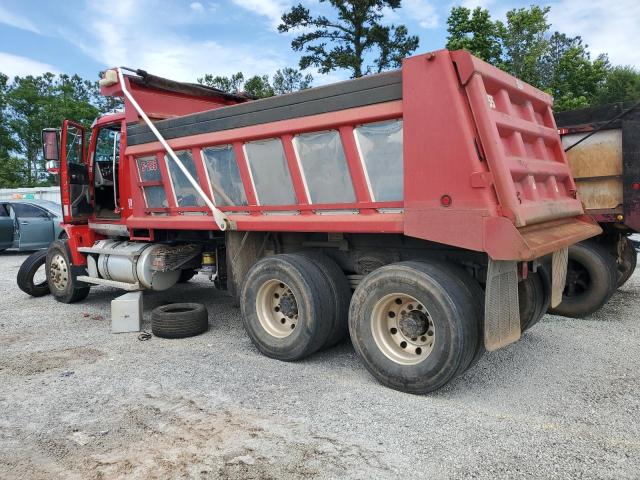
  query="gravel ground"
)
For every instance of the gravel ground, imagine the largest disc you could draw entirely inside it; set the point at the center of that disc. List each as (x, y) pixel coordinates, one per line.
(79, 402)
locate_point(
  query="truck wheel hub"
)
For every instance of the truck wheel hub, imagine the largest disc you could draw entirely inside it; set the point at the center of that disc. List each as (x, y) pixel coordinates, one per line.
(414, 324)
(402, 329)
(277, 308)
(59, 272)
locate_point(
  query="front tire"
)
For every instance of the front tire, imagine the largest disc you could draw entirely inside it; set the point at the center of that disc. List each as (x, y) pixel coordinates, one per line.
(62, 276)
(592, 277)
(415, 325)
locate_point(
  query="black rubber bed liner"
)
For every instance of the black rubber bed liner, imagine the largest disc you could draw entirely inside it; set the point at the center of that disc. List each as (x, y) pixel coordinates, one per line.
(384, 87)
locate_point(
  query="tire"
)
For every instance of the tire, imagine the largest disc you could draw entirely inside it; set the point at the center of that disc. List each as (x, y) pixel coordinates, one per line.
(477, 293)
(27, 272)
(62, 276)
(592, 277)
(341, 295)
(179, 320)
(445, 325)
(629, 262)
(534, 297)
(186, 275)
(293, 286)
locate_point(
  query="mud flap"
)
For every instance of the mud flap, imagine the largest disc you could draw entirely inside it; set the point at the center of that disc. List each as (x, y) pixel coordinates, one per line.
(502, 310)
(559, 262)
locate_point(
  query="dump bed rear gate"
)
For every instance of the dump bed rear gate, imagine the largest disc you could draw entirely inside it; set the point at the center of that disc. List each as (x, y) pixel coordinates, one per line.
(519, 137)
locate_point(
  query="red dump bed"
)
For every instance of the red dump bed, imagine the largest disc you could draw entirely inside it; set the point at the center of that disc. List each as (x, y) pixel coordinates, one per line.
(448, 149)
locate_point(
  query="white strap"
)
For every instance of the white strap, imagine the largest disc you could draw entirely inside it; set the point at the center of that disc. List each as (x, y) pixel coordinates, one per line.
(218, 215)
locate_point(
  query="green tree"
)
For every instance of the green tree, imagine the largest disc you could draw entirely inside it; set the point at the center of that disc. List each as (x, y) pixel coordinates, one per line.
(286, 80)
(12, 172)
(232, 84)
(622, 84)
(524, 46)
(524, 40)
(476, 32)
(290, 80)
(6, 142)
(569, 74)
(45, 101)
(348, 39)
(258, 86)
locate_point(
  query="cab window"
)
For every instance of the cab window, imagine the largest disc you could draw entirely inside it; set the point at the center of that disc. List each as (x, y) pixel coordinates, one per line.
(74, 145)
(107, 145)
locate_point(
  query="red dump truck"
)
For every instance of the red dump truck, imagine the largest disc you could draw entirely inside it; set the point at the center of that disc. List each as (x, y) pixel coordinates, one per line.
(604, 155)
(409, 209)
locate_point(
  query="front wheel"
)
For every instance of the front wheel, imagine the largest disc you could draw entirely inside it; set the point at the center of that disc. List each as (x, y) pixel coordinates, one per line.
(61, 275)
(414, 325)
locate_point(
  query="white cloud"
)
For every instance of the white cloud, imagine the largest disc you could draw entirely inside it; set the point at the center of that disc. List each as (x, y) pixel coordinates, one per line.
(13, 65)
(472, 4)
(17, 21)
(272, 9)
(142, 34)
(196, 7)
(605, 26)
(422, 12)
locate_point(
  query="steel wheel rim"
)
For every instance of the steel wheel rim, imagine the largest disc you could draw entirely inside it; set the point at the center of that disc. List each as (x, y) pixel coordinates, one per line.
(59, 272)
(277, 308)
(402, 329)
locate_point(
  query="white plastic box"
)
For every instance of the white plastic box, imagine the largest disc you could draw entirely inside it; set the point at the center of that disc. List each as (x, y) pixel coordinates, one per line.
(126, 313)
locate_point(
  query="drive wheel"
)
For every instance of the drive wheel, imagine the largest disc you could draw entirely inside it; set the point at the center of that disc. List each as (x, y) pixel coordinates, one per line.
(629, 262)
(534, 297)
(340, 293)
(286, 305)
(592, 277)
(414, 325)
(61, 276)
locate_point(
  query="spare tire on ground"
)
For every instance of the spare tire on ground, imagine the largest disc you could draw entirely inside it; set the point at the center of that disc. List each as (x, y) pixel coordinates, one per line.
(179, 320)
(27, 281)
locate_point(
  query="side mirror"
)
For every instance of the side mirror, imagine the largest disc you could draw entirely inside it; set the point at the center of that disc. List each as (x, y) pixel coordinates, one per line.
(51, 149)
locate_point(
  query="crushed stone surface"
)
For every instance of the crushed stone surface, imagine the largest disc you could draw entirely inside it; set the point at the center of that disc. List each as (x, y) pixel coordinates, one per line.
(78, 402)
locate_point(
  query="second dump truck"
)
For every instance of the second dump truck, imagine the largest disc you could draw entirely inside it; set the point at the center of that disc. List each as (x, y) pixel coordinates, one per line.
(409, 210)
(603, 145)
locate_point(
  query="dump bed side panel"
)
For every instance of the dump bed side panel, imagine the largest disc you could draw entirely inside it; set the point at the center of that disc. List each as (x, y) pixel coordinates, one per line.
(519, 136)
(400, 152)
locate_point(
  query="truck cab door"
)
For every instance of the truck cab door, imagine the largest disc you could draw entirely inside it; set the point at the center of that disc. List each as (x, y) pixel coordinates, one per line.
(6, 228)
(77, 202)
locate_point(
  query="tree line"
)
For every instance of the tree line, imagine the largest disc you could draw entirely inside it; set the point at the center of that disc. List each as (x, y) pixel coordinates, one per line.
(354, 38)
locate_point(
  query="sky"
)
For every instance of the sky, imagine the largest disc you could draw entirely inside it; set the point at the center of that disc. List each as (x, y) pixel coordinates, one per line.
(184, 39)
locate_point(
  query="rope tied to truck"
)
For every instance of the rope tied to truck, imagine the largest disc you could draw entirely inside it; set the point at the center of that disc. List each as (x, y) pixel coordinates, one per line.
(220, 218)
